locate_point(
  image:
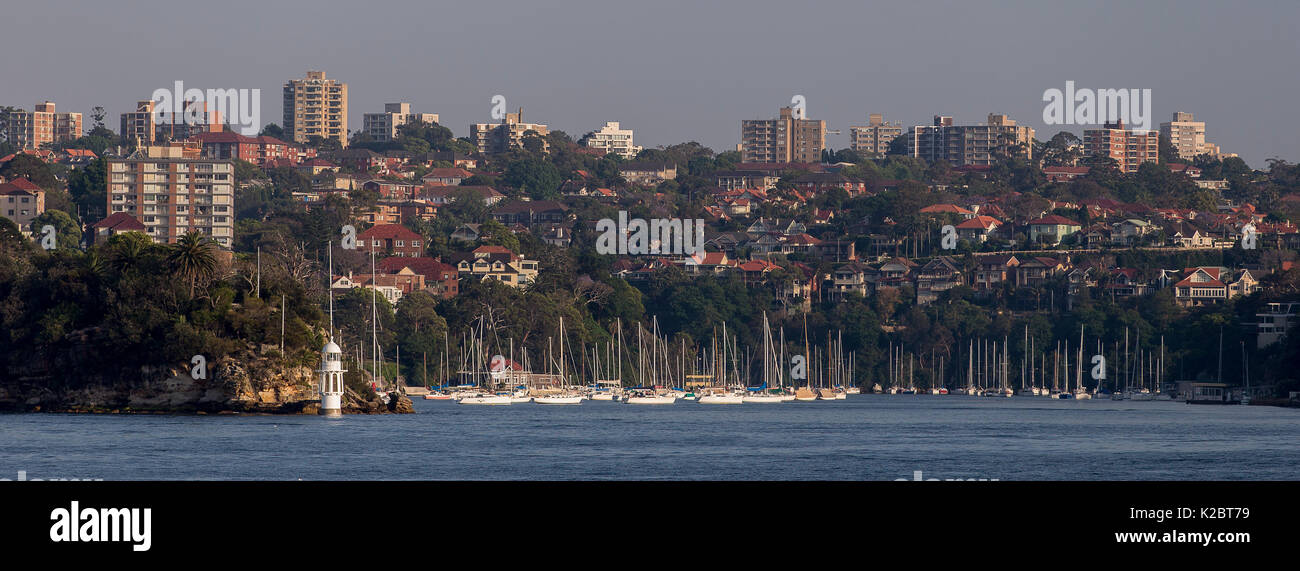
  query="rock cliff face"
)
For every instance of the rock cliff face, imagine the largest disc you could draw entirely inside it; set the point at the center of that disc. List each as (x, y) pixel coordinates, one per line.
(236, 384)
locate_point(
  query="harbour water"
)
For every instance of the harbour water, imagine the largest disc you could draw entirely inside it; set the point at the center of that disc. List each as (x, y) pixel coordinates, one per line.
(866, 437)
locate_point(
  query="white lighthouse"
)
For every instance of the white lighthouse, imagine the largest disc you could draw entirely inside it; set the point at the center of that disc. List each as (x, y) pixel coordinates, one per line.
(331, 380)
(331, 360)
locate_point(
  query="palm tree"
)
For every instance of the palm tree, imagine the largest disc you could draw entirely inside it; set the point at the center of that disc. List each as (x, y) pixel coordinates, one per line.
(192, 257)
(126, 250)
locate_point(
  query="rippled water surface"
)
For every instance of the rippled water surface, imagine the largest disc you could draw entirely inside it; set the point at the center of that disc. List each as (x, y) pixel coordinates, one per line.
(867, 437)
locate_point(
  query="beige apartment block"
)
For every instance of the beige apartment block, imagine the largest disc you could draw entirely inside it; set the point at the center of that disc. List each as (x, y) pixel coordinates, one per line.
(1129, 148)
(493, 138)
(971, 145)
(1187, 135)
(873, 139)
(316, 106)
(383, 126)
(613, 139)
(172, 191)
(782, 140)
(149, 124)
(43, 126)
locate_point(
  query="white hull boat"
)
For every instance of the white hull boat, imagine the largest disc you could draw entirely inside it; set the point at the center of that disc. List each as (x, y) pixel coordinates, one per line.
(653, 399)
(486, 399)
(559, 399)
(763, 398)
(722, 399)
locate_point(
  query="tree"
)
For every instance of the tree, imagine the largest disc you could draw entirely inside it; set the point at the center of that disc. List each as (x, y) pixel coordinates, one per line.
(420, 330)
(533, 176)
(192, 258)
(88, 187)
(66, 230)
(272, 130)
(1061, 150)
(32, 169)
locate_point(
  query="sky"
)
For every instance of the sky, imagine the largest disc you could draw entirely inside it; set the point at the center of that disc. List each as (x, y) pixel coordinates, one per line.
(677, 71)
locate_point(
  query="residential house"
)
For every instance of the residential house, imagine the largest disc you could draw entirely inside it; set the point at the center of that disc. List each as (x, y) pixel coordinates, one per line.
(1037, 270)
(115, 224)
(740, 180)
(992, 271)
(1131, 231)
(395, 239)
(756, 271)
(437, 278)
(940, 209)
(977, 229)
(1207, 285)
(445, 176)
(1051, 229)
(499, 263)
(935, 277)
(392, 190)
(896, 272)
(1079, 278)
(444, 195)
(1097, 235)
(467, 232)
(711, 263)
(21, 201)
(817, 183)
(1185, 235)
(1125, 282)
(647, 173)
(530, 212)
(853, 277)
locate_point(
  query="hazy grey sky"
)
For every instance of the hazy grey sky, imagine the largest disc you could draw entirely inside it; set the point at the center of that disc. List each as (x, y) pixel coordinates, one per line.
(679, 70)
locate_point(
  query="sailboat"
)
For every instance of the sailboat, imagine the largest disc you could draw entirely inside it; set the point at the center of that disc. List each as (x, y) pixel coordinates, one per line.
(563, 395)
(642, 394)
(771, 371)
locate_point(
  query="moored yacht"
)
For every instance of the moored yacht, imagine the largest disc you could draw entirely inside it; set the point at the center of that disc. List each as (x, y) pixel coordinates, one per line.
(482, 398)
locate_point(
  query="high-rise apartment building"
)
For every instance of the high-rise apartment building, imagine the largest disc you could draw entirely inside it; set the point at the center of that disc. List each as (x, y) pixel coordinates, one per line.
(173, 191)
(44, 125)
(492, 138)
(612, 139)
(383, 126)
(873, 139)
(971, 145)
(148, 124)
(316, 106)
(1187, 135)
(782, 140)
(139, 126)
(1129, 148)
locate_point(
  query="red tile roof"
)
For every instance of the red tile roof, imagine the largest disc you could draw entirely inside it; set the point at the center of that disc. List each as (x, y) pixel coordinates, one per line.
(24, 184)
(121, 222)
(979, 223)
(390, 231)
(430, 268)
(945, 208)
(1055, 220)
